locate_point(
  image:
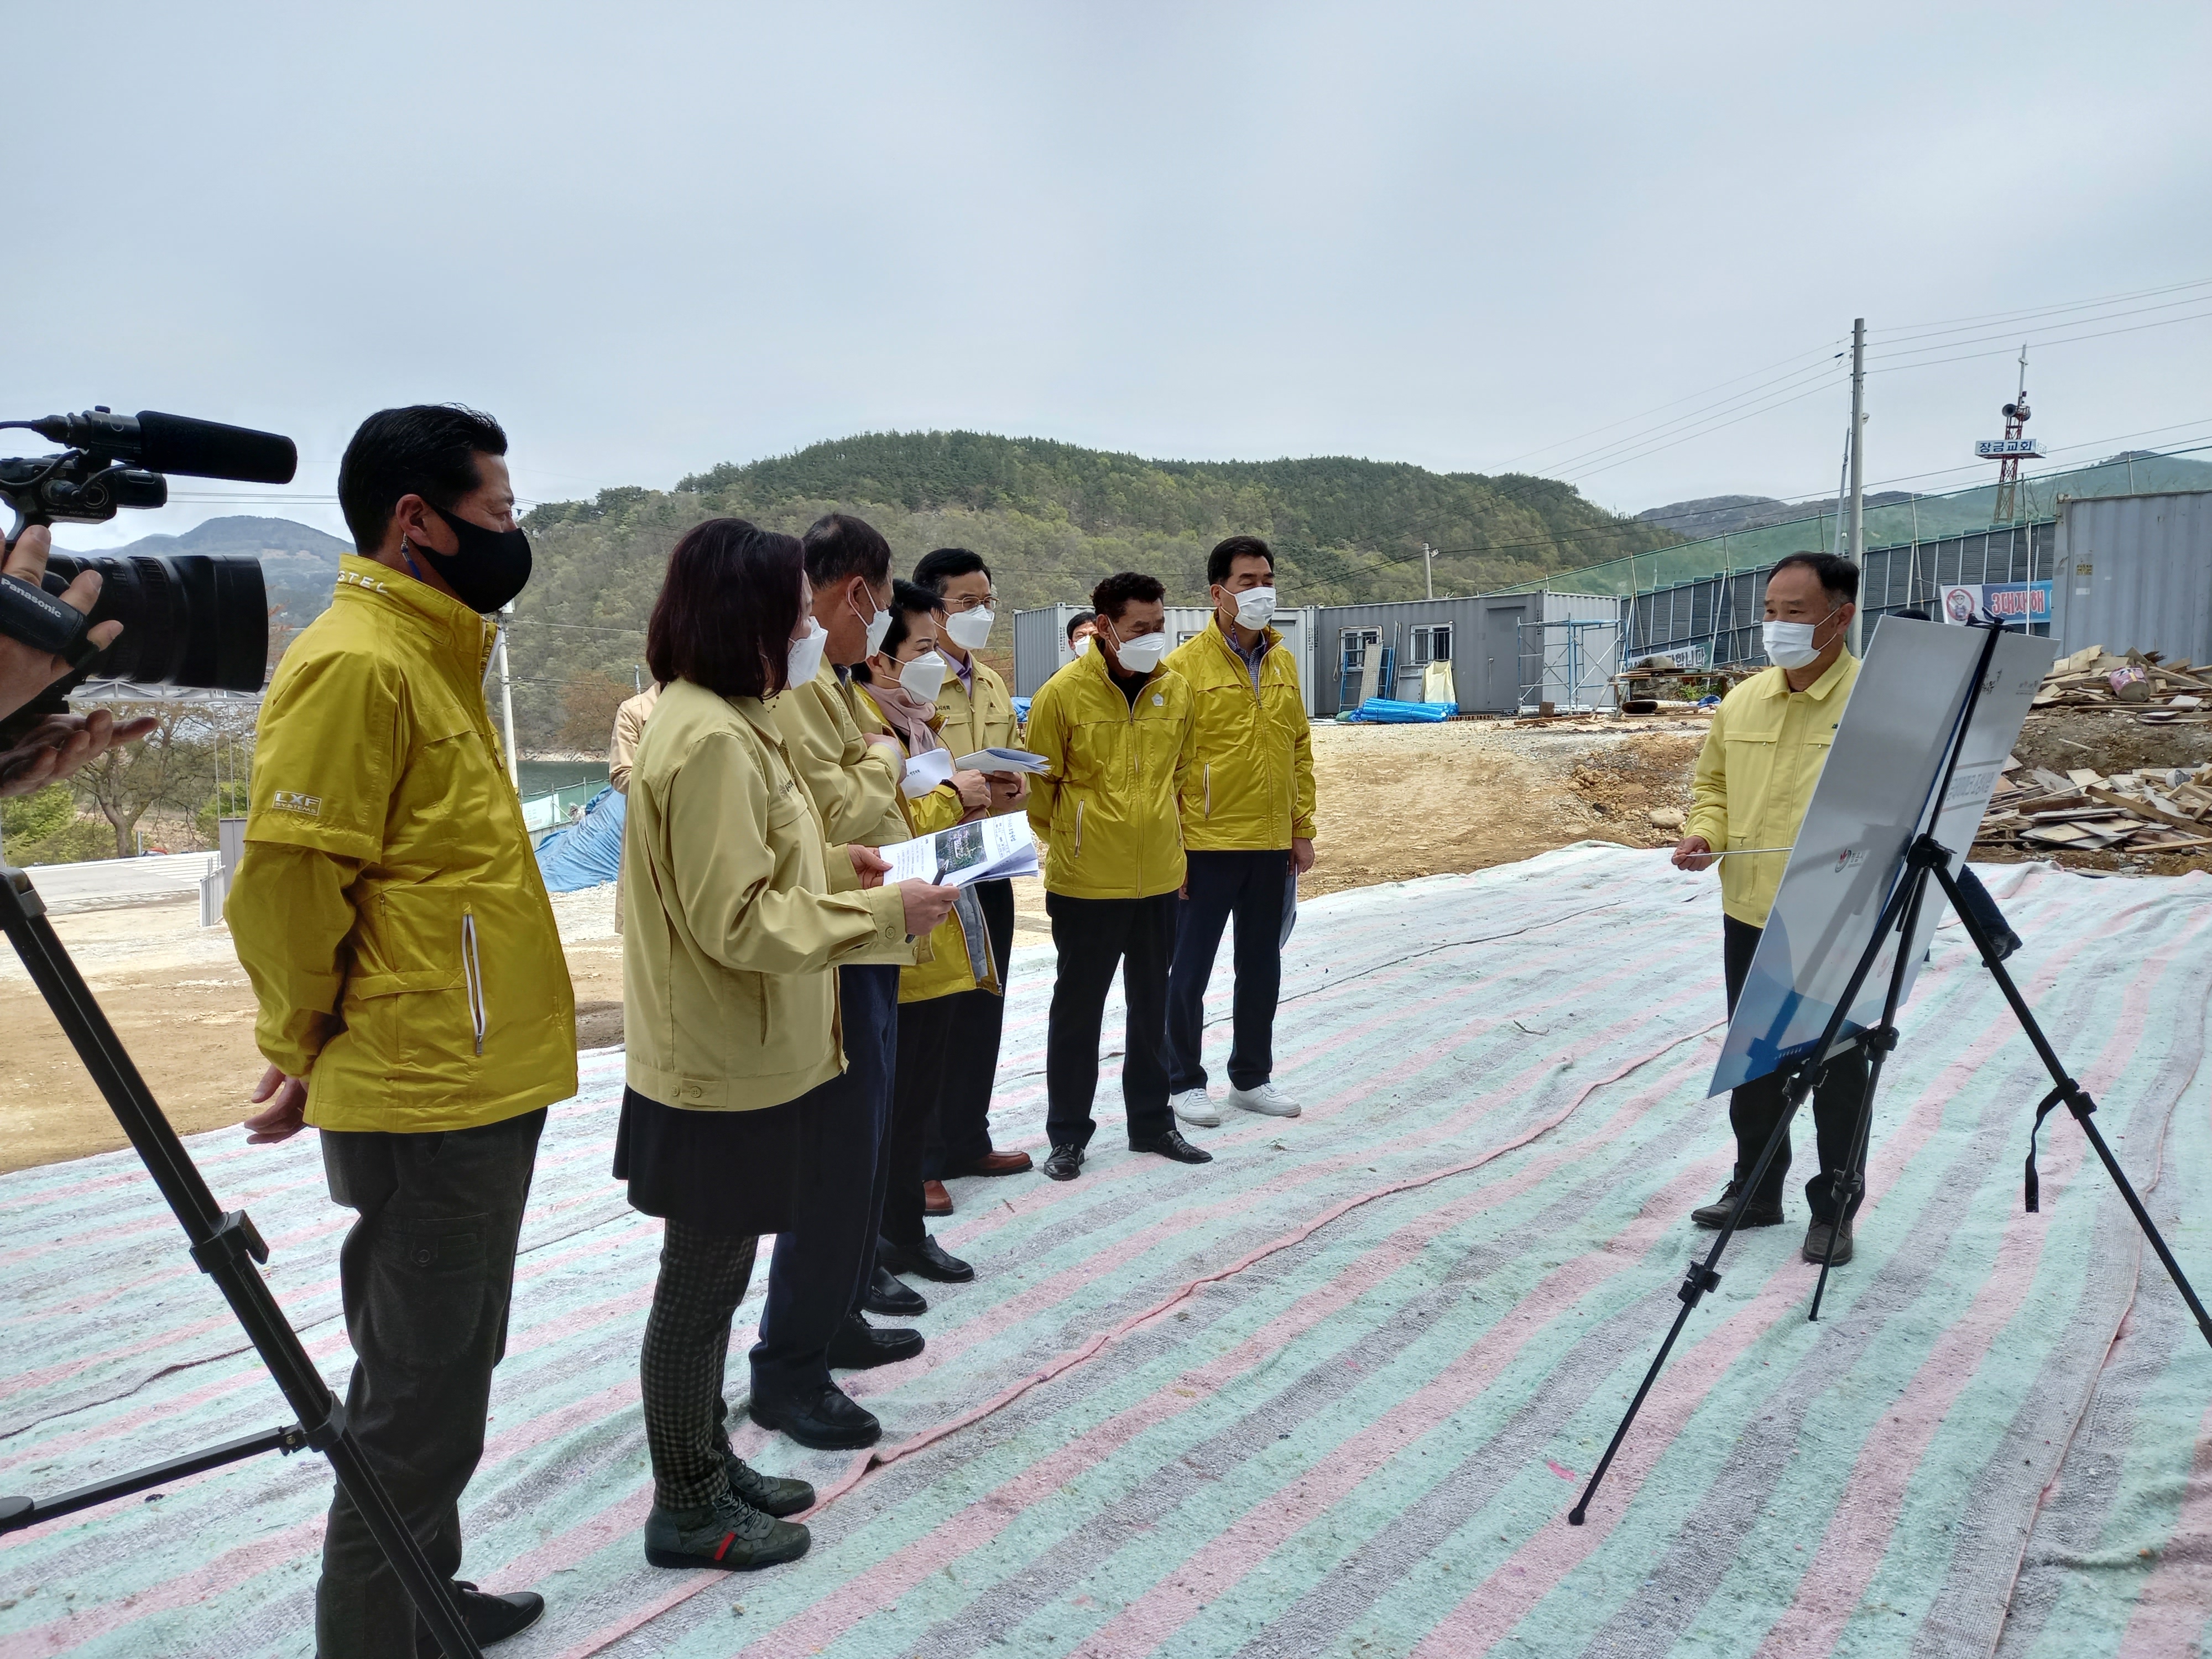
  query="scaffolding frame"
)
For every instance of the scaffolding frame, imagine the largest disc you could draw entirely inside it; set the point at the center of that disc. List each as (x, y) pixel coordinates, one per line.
(1570, 656)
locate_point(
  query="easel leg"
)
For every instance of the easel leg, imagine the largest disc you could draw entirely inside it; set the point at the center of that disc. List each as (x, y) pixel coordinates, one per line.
(2075, 1098)
(1702, 1277)
(1877, 1043)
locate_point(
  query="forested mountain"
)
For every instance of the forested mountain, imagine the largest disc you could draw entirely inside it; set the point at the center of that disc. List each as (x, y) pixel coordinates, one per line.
(1052, 518)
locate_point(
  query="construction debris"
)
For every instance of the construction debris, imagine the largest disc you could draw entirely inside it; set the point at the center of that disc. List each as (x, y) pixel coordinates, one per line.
(2140, 684)
(2156, 810)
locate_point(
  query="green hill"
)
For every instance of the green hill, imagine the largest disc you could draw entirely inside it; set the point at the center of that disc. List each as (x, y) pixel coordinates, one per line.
(1052, 518)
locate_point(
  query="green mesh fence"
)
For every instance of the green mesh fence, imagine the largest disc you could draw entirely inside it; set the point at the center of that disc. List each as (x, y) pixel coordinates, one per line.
(1923, 519)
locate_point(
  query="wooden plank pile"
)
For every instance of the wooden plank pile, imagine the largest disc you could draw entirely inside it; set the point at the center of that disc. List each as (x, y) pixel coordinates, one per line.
(2157, 810)
(2155, 692)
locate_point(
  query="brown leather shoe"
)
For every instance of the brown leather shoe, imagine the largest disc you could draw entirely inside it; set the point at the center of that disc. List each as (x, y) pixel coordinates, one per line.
(998, 1163)
(935, 1200)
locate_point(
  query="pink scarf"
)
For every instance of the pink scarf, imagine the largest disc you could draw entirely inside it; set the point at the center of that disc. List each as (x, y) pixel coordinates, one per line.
(910, 719)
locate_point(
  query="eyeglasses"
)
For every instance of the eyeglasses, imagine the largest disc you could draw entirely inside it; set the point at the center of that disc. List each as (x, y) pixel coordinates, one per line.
(956, 607)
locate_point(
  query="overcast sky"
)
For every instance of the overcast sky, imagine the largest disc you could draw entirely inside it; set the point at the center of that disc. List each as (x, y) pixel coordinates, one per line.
(650, 238)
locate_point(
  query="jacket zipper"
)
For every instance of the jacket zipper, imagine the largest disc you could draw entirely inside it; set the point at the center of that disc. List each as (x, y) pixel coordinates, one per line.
(1079, 829)
(1209, 789)
(472, 971)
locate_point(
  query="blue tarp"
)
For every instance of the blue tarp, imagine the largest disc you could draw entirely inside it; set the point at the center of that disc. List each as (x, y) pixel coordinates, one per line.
(587, 853)
(1385, 711)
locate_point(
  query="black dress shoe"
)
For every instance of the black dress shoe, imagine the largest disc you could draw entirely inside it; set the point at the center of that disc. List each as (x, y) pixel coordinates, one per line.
(490, 1618)
(1815, 1248)
(831, 1421)
(858, 1345)
(1065, 1163)
(1755, 1214)
(927, 1260)
(1170, 1144)
(890, 1297)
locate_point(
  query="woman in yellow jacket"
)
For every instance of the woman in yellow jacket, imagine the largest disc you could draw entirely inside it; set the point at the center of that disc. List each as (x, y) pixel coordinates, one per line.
(733, 919)
(899, 685)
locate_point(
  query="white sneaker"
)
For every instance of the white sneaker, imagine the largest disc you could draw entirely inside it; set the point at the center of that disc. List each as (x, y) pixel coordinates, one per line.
(1267, 1099)
(1192, 1107)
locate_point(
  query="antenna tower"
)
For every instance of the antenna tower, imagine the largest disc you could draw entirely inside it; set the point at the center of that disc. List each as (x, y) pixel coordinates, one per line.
(2007, 511)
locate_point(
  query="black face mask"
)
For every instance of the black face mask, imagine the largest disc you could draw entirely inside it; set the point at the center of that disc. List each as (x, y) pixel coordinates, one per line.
(491, 568)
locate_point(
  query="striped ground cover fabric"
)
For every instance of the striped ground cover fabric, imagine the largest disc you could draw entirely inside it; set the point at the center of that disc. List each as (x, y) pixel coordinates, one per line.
(1331, 1394)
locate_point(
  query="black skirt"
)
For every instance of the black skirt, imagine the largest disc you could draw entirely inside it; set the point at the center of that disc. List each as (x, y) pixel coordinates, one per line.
(733, 1174)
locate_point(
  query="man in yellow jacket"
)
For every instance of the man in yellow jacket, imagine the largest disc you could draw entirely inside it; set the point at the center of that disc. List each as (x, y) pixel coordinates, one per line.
(1114, 727)
(978, 714)
(1248, 824)
(1754, 780)
(415, 1004)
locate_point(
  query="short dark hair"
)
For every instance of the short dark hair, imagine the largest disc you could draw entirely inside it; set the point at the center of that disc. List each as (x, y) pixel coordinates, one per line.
(1226, 553)
(1838, 576)
(839, 545)
(727, 608)
(908, 599)
(1078, 620)
(1114, 595)
(428, 450)
(940, 566)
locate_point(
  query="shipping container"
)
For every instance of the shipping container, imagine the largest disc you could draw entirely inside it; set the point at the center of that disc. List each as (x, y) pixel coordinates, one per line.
(2134, 574)
(1480, 636)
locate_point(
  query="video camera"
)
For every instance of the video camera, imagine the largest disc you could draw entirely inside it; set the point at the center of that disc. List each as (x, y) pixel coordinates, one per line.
(189, 619)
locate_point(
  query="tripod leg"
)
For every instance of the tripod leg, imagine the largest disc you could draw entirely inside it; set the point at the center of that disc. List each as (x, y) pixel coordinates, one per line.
(225, 1247)
(1700, 1278)
(2076, 1099)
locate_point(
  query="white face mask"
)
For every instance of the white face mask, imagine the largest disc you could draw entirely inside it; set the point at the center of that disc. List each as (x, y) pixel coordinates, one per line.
(1788, 644)
(1142, 655)
(803, 659)
(878, 626)
(970, 629)
(921, 676)
(1256, 607)
(1083, 646)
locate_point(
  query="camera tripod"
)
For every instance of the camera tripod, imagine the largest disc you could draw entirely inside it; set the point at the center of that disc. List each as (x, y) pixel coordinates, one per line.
(1925, 860)
(225, 1245)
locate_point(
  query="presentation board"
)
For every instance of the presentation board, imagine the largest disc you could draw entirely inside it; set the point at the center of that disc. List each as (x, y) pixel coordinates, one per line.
(1875, 794)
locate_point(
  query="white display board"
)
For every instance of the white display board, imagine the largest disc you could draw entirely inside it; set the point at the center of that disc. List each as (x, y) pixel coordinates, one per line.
(1875, 795)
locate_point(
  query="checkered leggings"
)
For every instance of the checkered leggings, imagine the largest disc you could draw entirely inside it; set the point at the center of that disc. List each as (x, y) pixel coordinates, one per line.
(687, 1348)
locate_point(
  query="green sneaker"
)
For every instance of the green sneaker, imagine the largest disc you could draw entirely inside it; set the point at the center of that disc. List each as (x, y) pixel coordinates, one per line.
(729, 1534)
(770, 1494)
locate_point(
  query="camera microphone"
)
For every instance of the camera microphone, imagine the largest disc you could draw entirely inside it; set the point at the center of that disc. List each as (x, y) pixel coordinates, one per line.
(176, 443)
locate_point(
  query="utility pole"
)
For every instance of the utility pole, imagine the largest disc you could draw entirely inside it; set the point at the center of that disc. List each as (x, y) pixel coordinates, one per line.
(506, 699)
(1856, 546)
(1429, 569)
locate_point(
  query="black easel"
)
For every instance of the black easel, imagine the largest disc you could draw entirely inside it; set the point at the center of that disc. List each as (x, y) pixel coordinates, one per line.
(1925, 858)
(221, 1242)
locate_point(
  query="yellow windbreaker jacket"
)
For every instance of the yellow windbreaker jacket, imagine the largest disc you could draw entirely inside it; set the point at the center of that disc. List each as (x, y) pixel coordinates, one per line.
(1250, 788)
(1755, 776)
(388, 908)
(732, 917)
(941, 966)
(1106, 813)
(854, 782)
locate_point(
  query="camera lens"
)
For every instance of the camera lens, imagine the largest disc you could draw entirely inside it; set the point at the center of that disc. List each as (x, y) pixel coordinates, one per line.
(189, 619)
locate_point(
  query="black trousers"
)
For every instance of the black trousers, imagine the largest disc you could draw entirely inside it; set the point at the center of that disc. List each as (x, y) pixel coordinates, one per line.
(685, 1359)
(1093, 937)
(821, 1266)
(960, 1129)
(924, 1030)
(1251, 887)
(425, 1274)
(1755, 1109)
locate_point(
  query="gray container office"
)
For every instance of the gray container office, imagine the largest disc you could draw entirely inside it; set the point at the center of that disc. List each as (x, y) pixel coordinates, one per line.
(1480, 636)
(2134, 574)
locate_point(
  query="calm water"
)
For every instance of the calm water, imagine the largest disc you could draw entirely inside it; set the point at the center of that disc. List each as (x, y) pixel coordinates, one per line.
(543, 777)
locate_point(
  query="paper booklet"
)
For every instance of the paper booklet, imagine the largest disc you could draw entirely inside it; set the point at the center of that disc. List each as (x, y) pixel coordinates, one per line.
(1005, 760)
(985, 850)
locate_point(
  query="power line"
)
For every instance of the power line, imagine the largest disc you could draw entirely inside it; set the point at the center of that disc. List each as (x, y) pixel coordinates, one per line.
(2040, 344)
(1901, 329)
(2013, 334)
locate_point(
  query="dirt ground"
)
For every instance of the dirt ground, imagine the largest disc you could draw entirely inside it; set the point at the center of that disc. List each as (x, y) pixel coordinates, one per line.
(1396, 803)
